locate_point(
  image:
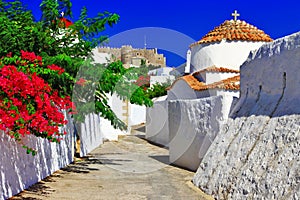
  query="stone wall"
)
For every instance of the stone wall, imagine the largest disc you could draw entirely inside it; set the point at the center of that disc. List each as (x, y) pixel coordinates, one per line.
(126, 53)
(90, 134)
(157, 126)
(19, 170)
(136, 115)
(193, 126)
(257, 153)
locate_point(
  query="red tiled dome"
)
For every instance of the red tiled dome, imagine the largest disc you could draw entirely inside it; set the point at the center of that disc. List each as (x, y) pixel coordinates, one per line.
(234, 30)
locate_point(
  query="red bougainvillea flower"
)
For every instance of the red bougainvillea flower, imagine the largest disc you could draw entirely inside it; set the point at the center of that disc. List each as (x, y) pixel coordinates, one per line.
(56, 68)
(28, 105)
(143, 81)
(81, 82)
(9, 55)
(31, 57)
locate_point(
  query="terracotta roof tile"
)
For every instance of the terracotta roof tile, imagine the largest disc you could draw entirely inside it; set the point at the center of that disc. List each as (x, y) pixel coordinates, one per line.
(234, 30)
(232, 83)
(193, 82)
(216, 69)
(190, 80)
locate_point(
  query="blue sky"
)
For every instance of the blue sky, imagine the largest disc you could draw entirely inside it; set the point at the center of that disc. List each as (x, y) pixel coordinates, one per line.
(185, 20)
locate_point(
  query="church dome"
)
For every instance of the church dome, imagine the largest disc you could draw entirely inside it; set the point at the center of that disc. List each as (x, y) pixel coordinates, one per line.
(234, 30)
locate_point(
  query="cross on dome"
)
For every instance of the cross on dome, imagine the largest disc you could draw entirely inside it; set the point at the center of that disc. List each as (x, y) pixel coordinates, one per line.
(235, 15)
(62, 14)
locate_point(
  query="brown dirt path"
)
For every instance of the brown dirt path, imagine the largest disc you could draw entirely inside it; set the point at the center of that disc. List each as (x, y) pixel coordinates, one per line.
(130, 169)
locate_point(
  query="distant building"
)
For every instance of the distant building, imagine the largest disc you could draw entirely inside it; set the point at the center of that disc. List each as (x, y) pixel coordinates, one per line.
(161, 76)
(131, 56)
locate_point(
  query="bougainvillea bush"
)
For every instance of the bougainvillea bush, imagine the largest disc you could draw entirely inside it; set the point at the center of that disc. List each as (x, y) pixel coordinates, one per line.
(28, 104)
(70, 47)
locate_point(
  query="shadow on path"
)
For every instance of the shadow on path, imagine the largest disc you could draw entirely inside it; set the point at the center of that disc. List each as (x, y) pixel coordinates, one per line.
(162, 158)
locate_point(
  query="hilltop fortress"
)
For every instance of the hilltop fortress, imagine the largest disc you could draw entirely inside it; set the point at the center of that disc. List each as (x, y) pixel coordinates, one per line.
(131, 56)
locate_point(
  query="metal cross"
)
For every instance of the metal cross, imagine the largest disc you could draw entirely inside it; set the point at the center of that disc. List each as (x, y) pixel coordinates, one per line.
(62, 14)
(235, 15)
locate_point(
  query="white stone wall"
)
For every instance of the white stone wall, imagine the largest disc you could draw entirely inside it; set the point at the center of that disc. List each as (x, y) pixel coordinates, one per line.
(157, 126)
(19, 170)
(257, 153)
(129, 113)
(90, 134)
(108, 131)
(193, 125)
(137, 115)
(229, 54)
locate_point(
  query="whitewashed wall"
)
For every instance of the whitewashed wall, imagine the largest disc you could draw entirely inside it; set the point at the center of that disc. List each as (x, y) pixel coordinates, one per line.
(108, 131)
(19, 170)
(257, 153)
(90, 134)
(137, 115)
(229, 54)
(129, 113)
(157, 126)
(193, 125)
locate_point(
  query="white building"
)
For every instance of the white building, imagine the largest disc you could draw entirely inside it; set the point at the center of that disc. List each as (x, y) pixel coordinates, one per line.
(217, 57)
(227, 45)
(199, 103)
(212, 81)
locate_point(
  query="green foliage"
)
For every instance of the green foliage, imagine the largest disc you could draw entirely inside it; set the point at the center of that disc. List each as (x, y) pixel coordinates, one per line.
(111, 78)
(157, 90)
(69, 48)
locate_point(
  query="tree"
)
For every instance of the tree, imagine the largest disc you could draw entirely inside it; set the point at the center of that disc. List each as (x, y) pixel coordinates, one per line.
(69, 48)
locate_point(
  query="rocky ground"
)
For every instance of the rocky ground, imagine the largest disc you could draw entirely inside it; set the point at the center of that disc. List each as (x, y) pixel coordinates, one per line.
(131, 169)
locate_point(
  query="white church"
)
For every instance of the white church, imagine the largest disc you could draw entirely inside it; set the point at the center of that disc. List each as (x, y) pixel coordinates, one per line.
(213, 61)
(199, 103)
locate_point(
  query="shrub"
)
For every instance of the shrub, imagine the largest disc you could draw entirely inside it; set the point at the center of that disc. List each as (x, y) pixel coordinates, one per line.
(28, 104)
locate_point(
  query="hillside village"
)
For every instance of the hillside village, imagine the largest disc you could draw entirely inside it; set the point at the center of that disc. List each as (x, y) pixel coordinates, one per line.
(232, 119)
